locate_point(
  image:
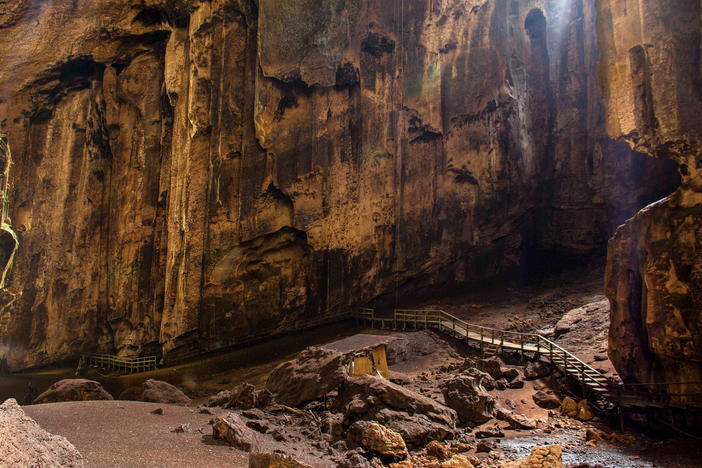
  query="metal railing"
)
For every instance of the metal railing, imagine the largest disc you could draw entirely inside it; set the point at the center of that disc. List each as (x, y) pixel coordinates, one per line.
(120, 364)
(589, 378)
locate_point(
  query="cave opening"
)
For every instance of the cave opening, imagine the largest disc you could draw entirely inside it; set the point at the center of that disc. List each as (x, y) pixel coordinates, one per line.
(196, 179)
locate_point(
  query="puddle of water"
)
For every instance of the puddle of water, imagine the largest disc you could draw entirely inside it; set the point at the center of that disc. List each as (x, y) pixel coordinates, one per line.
(671, 453)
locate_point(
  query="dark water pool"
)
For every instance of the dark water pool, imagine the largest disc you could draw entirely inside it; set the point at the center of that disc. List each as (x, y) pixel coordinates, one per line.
(250, 363)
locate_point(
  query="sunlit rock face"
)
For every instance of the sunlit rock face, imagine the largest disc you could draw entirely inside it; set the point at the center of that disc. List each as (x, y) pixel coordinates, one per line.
(195, 174)
(652, 83)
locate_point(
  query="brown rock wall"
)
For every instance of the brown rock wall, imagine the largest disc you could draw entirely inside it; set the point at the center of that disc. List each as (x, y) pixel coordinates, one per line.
(202, 173)
(651, 80)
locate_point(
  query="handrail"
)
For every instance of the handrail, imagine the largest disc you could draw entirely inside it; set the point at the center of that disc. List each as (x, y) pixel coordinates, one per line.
(113, 362)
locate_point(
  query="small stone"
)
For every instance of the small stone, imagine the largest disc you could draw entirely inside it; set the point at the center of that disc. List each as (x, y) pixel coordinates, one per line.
(158, 411)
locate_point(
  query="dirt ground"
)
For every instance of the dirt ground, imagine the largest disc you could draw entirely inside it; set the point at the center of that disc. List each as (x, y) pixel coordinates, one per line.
(121, 433)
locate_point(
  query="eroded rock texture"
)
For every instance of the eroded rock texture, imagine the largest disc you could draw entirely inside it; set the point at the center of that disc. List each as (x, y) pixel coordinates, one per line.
(194, 174)
(652, 83)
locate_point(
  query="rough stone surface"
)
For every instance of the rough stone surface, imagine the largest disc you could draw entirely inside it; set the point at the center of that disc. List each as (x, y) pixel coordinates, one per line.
(546, 400)
(273, 460)
(156, 391)
(416, 418)
(24, 443)
(376, 440)
(311, 375)
(232, 430)
(652, 85)
(541, 457)
(73, 390)
(194, 174)
(468, 398)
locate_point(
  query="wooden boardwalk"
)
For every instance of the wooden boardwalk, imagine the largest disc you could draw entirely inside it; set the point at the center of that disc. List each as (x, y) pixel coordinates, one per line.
(595, 385)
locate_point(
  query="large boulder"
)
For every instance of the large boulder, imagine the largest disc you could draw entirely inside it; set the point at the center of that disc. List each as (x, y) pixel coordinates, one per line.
(24, 443)
(310, 376)
(465, 395)
(376, 440)
(246, 397)
(156, 391)
(546, 400)
(73, 390)
(416, 418)
(234, 431)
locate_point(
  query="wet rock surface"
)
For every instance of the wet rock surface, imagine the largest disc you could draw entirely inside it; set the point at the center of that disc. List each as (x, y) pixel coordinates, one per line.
(73, 390)
(24, 443)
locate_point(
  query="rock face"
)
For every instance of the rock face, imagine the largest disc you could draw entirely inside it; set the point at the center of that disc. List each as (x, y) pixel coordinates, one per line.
(73, 390)
(195, 174)
(24, 443)
(418, 419)
(311, 375)
(468, 398)
(652, 84)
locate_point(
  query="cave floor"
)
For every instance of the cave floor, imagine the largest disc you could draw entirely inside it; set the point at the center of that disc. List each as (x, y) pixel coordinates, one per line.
(124, 433)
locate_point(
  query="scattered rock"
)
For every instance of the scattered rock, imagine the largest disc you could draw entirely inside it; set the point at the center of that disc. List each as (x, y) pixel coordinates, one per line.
(537, 370)
(310, 376)
(569, 407)
(438, 450)
(273, 460)
(205, 410)
(471, 402)
(417, 418)
(232, 430)
(73, 390)
(489, 431)
(158, 411)
(355, 460)
(24, 443)
(515, 420)
(220, 399)
(594, 435)
(484, 446)
(584, 411)
(377, 440)
(601, 357)
(492, 366)
(511, 374)
(549, 456)
(546, 400)
(183, 428)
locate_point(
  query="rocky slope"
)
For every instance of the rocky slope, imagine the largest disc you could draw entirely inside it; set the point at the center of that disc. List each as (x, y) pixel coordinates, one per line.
(200, 173)
(652, 83)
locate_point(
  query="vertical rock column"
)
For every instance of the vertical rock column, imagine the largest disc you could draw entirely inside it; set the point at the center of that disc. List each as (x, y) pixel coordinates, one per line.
(651, 81)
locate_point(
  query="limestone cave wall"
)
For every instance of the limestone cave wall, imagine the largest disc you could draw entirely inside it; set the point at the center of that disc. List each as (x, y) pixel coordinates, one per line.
(199, 173)
(652, 82)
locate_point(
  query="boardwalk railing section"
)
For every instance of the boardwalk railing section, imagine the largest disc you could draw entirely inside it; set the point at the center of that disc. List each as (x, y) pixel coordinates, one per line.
(594, 384)
(120, 364)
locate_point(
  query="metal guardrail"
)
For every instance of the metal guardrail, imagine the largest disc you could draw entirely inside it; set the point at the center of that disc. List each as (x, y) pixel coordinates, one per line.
(115, 363)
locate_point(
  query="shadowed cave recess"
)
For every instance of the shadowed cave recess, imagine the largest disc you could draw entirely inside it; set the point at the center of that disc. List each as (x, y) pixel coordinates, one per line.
(193, 175)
